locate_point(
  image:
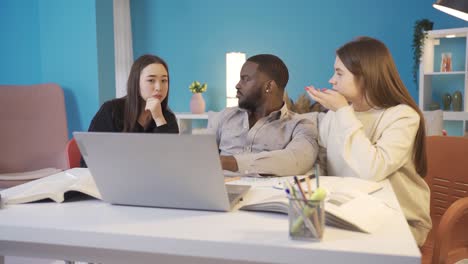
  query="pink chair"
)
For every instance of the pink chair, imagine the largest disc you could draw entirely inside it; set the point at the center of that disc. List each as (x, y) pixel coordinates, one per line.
(34, 130)
(73, 154)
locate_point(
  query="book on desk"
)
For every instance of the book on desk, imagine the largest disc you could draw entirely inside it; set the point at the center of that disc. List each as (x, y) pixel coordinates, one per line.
(52, 187)
(348, 205)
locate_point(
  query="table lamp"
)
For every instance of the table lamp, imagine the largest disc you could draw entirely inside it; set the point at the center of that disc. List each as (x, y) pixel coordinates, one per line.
(234, 62)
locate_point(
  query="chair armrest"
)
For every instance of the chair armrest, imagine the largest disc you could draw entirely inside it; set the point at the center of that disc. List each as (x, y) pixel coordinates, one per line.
(445, 231)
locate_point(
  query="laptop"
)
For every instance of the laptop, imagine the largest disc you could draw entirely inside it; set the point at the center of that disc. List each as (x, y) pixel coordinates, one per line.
(158, 170)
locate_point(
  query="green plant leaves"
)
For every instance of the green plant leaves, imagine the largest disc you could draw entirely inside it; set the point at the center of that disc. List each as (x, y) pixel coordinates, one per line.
(419, 35)
(197, 87)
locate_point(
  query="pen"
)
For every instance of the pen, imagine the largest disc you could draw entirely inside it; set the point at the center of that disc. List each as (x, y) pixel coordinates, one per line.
(317, 168)
(311, 176)
(300, 189)
(309, 187)
(290, 187)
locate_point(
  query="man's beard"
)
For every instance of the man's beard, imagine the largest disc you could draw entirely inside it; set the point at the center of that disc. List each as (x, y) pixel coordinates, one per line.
(252, 101)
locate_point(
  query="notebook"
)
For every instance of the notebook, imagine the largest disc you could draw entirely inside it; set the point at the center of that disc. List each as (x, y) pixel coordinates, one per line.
(158, 170)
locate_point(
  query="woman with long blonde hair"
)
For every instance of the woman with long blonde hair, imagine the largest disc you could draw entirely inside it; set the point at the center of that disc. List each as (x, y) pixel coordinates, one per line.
(374, 129)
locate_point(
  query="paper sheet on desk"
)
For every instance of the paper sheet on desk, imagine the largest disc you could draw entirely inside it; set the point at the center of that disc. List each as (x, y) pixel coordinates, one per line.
(227, 173)
(331, 183)
(252, 179)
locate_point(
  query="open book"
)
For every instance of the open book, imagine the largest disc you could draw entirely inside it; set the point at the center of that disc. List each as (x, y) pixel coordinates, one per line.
(53, 187)
(28, 175)
(348, 204)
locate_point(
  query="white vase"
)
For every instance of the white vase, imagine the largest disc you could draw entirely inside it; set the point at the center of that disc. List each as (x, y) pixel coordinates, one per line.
(197, 104)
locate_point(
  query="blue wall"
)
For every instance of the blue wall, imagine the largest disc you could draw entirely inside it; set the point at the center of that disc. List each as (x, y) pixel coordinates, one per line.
(20, 55)
(105, 47)
(193, 36)
(69, 55)
(56, 41)
(70, 42)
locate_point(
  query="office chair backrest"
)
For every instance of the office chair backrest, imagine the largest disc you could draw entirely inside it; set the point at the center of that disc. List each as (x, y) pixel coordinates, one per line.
(73, 154)
(34, 128)
(447, 172)
(447, 178)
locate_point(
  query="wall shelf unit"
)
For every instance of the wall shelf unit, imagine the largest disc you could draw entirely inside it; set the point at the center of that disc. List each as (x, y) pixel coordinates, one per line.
(185, 121)
(435, 84)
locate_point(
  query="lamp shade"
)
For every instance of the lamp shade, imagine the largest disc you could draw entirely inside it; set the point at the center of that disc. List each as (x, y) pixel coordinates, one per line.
(457, 8)
(234, 62)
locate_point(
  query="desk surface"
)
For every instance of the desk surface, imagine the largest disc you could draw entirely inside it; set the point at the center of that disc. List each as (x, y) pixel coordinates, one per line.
(99, 232)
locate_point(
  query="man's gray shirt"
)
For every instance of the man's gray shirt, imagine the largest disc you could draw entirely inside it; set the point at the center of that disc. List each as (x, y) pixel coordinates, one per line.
(282, 143)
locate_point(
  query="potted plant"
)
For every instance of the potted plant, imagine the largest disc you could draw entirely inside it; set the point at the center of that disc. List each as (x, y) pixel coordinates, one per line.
(419, 36)
(197, 103)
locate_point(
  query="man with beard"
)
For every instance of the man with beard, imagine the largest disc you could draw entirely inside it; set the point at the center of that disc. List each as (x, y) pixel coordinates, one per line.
(262, 136)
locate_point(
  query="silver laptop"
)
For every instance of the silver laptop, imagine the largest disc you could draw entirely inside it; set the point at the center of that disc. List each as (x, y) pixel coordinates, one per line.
(158, 170)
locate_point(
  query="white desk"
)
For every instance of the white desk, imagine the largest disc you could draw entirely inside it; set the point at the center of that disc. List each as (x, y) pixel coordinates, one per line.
(95, 231)
(185, 121)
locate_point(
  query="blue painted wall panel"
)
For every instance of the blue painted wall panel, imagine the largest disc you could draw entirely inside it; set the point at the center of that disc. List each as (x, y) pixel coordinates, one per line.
(105, 46)
(65, 42)
(19, 42)
(193, 36)
(69, 55)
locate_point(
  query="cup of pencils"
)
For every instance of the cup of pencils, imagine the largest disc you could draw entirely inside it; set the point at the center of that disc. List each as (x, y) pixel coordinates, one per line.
(306, 219)
(306, 211)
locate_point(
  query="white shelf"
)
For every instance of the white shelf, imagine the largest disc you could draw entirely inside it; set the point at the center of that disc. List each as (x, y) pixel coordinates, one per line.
(184, 119)
(455, 116)
(188, 115)
(428, 88)
(442, 33)
(446, 73)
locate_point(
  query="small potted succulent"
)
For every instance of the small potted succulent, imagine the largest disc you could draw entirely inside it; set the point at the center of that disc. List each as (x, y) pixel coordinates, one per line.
(197, 103)
(197, 87)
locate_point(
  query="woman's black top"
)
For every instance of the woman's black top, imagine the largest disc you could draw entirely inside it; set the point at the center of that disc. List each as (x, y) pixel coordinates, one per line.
(110, 118)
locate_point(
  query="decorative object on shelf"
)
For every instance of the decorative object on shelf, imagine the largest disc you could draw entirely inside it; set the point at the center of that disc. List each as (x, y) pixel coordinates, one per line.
(446, 62)
(197, 103)
(457, 101)
(434, 106)
(447, 100)
(419, 36)
(456, 8)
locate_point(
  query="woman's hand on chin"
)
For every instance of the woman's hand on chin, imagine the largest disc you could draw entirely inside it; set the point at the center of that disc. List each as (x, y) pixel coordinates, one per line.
(154, 106)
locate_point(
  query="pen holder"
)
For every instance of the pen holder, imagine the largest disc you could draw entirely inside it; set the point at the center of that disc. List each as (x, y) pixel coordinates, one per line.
(306, 219)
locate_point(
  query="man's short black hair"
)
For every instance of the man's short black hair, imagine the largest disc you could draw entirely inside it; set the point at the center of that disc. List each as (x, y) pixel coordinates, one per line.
(273, 67)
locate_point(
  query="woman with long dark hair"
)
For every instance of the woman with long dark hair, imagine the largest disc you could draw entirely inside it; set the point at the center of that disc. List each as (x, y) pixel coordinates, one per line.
(144, 109)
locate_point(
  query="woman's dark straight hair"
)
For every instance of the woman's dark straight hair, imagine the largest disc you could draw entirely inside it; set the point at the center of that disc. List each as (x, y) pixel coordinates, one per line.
(134, 103)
